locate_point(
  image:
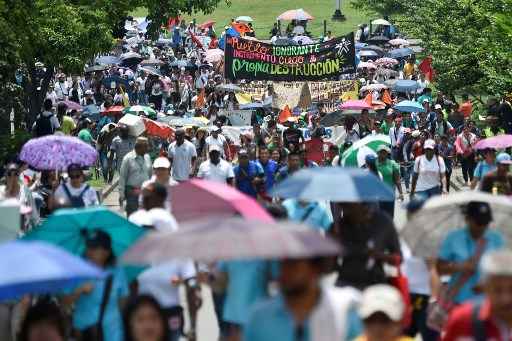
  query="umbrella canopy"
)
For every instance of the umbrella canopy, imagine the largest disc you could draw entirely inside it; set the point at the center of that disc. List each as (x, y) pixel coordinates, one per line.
(359, 46)
(176, 121)
(229, 88)
(366, 65)
(181, 63)
(207, 24)
(400, 53)
(409, 106)
(152, 62)
(417, 49)
(285, 42)
(57, 152)
(295, 14)
(130, 59)
(113, 110)
(151, 70)
(356, 154)
(108, 60)
(201, 197)
(381, 22)
(95, 68)
(68, 228)
(228, 239)
(440, 215)
(244, 18)
(214, 55)
(355, 105)
(368, 53)
(495, 142)
(373, 87)
(405, 85)
(399, 42)
(137, 109)
(378, 39)
(332, 119)
(45, 268)
(312, 184)
(375, 48)
(159, 129)
(303, 40)
(72, 105)
(385, 61)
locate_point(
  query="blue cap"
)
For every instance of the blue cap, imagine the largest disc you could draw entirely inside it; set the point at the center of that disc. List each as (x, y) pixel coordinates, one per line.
(370, 158)
(504, 159)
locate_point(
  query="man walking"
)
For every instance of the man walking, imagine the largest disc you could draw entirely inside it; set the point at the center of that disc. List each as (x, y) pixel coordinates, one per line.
(135, 170)
(182, 154)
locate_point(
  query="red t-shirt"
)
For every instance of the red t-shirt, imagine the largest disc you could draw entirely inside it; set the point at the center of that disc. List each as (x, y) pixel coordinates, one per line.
(466, 108)
(460, 324)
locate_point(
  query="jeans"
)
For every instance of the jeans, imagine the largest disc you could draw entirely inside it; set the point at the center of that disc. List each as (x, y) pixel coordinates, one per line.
(419, 319)
(429, 193)
(142, 98)
(106, 171)
(468, 167)
(406, 172)
(448, 177)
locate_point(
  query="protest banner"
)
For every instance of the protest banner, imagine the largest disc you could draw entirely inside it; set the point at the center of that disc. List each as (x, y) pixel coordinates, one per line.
(238, 117)
(334, 135)
(293, 95)
(233, 133)
(254, 60)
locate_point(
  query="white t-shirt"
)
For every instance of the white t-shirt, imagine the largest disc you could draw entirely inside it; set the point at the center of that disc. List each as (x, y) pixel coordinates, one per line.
(219, 141)
(156, 281)
(159, 218)
(90, 197)
(416, 271)
(428, 172)
(182, 159)
(218, 173)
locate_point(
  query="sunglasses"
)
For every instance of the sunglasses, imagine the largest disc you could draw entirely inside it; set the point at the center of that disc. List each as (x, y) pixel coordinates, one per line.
(75, 176)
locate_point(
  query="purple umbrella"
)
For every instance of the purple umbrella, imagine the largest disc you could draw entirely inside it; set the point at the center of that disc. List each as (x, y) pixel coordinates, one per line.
(57, 152)
(219, 238)
(495, 142)
(72, 105)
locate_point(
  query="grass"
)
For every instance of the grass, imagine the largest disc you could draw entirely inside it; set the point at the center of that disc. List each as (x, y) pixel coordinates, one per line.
(264, 13)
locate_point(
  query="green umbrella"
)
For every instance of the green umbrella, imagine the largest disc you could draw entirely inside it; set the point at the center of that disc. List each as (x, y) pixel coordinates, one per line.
(355, 155)
(137, 109)
(68, 228)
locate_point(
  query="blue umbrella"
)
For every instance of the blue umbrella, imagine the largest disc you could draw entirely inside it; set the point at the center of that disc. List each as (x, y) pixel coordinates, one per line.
(368, 53)
(108, 60)
(409, 106)
(405, 85)
(334, 184)
(400, 53)
(360, 45)
(40, 268)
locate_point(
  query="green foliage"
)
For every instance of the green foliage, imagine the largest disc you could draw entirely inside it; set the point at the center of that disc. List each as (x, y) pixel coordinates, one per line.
(470, 51)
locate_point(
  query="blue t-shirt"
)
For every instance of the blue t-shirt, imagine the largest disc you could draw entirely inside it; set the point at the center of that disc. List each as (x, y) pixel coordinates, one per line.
(271, 320)
(313, 214)
(87, 307)
(247, 284)
(245, 175)
(270, 168)
(483, 168)
(459, 246)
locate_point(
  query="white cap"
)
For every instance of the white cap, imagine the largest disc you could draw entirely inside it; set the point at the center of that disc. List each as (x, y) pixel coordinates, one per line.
(382, 298)
(161, 162)
(438, 106)
(214, 147)
(429, 144)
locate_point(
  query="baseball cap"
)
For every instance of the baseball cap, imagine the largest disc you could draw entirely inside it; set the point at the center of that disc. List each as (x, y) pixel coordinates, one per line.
(161, 162)
(429, 144)
(383, 147)
(438, 106)
(503, 159)
(98, 238)
(382, 298)
(214, 147)
(479, 211)
(370, 158)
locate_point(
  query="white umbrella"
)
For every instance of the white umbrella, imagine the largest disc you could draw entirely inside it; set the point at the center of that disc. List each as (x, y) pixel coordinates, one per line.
(399, 42)
(244, 18)
(381, 22)
(366, 65)
(295, 14)
(442, 214)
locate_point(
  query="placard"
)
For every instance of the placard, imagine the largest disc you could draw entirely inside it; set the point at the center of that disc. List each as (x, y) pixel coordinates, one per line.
(254, 60)
(238, 117)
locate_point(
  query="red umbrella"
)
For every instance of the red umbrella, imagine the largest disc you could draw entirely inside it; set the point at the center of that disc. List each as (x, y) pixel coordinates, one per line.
(200, 198)
(113, 110)
(207, 24)
(159, 129)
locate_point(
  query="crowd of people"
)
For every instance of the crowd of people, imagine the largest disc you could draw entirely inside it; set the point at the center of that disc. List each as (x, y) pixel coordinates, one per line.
(175, 78)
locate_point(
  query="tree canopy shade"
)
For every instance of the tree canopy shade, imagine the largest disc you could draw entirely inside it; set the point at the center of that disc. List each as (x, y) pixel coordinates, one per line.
(469, 41)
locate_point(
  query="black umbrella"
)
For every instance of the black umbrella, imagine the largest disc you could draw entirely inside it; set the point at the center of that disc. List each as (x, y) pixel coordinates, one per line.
(95, 68)
(285, 42)
(332, 119)
(151, 70)
(375, 48)
(130, 59)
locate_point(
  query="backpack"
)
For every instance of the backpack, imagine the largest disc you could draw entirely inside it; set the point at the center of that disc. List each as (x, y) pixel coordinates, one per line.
(76, 201)
(44, 126)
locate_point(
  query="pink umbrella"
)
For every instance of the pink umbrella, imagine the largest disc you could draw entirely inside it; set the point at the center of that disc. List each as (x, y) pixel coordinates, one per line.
(72, 105)
(367, 65)
(386, 61)
(199, 198)
(495, 142)
(295, 14)
(214, 55)
(355, 105)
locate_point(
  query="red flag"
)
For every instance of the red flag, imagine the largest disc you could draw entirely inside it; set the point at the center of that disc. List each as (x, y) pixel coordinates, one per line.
(241, 28)
(386, 97)
(426, 68)
(196, 41)
(285, 114)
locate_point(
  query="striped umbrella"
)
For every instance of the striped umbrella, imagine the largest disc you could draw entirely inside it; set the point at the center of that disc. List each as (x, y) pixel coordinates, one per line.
(137, 109)
(356, 154)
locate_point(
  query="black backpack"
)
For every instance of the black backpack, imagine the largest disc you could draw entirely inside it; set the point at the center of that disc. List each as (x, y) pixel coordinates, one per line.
(44, 126)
